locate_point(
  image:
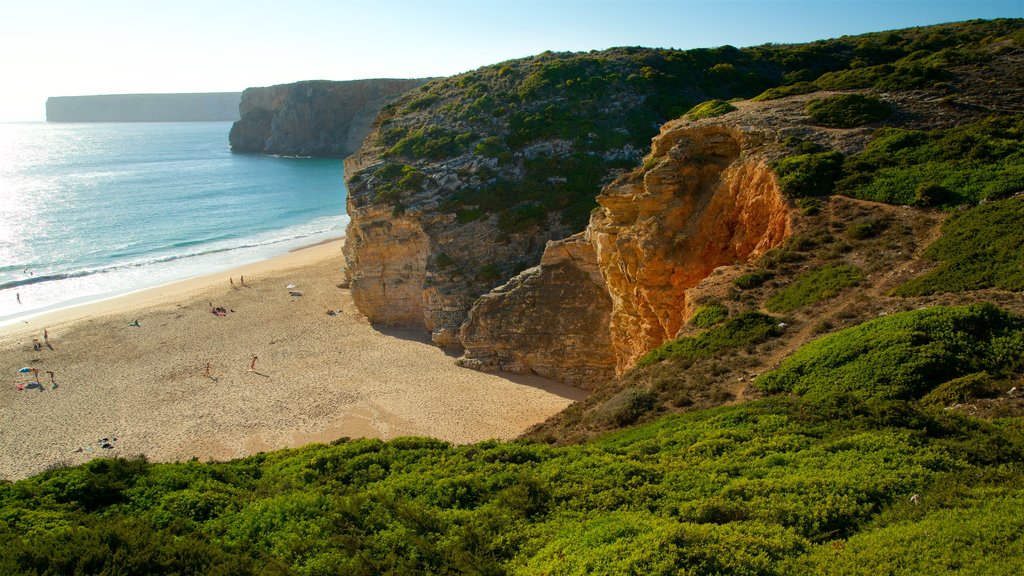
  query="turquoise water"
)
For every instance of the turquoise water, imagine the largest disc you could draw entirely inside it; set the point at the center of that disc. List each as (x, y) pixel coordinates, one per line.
(89, 211)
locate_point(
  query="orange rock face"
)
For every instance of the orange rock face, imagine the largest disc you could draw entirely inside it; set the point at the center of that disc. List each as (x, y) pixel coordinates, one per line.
(659, 232)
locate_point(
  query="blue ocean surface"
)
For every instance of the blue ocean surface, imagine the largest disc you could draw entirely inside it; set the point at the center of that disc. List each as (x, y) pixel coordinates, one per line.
(89, 211)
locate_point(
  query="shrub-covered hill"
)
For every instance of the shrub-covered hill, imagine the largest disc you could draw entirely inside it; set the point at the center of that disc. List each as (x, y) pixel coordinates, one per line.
(464, 180)
(549, 129)
(862, 477)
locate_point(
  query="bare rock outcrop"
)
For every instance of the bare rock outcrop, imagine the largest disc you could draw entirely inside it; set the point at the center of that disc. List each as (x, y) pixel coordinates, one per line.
(703, 203)
(603, 298)
(313, 118)
(550, 320)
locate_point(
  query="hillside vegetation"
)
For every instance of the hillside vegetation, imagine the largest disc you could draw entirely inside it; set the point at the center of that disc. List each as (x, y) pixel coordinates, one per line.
(849, 403)
(852, 468)
(530, 142)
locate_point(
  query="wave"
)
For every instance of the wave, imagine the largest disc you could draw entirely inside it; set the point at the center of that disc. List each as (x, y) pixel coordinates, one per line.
(160, 259)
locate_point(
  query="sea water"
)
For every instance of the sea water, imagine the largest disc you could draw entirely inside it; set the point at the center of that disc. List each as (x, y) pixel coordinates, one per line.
(89, 211)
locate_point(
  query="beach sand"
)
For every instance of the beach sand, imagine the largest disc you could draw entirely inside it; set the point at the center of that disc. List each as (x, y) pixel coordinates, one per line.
(318, 377)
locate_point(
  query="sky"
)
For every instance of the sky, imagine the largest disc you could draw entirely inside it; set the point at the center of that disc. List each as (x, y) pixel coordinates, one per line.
(75, 47)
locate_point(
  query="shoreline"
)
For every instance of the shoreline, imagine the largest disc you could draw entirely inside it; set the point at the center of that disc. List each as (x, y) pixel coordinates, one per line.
(322, 372)
(105, 305)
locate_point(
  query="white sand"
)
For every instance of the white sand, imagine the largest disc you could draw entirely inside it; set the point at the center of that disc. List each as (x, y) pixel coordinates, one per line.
(317, 378)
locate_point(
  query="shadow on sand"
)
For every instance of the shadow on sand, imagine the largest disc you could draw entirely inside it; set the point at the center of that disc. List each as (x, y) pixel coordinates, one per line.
(550, 386)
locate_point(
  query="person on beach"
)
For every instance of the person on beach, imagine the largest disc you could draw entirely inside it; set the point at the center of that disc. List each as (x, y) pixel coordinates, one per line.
(53, 380)
(36, 345)
(252, 365)
(46, 336)
(18, 296)
(232, 280)
(207, 373)
(243, 280)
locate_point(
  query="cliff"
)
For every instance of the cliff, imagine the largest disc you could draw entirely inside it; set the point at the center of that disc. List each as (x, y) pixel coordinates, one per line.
(661, 231)
(462, 183)
(312, 118)
(211, 106)
(600, 300)
(489, 165)
(550, 320)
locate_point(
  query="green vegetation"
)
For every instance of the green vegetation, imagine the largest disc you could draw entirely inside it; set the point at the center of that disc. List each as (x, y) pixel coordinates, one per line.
(979, 248)
(709, 109)
(599, 103)
(963, 389)
(847, 477)
(787, 90)
(847, 110)
(740, 330)
(809, 174)
(942, 168)
(967, 164)
(753, 279)
(904, 356)
(814, 286)
(708, 315)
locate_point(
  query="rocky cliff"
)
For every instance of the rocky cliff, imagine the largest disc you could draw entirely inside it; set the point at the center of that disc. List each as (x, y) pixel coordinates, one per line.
(602, 299)
(660, 231)
(463, 182)
(312, 118)
(550, 320)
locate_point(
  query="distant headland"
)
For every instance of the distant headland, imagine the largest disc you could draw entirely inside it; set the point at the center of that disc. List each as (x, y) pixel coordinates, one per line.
(325, 118)
(197, 107)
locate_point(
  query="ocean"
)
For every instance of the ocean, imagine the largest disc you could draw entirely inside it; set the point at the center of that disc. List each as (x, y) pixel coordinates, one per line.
(90, 211)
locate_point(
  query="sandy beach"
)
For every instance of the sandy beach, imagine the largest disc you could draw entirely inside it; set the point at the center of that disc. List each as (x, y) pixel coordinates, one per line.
(318, 377)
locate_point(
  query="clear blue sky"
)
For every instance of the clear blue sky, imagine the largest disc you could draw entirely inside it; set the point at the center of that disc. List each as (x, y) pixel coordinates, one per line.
(71, 47)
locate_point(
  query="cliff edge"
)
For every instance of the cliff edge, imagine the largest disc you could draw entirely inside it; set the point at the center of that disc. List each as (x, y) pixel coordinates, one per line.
(312, 118)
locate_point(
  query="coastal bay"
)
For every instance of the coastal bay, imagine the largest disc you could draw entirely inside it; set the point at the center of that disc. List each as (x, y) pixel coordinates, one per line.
(317, 377)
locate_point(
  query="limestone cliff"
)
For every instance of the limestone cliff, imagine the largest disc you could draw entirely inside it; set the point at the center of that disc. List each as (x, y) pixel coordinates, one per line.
(312, 118)
(600, 300)
(550, 320)
(703, 204)
(462, 182)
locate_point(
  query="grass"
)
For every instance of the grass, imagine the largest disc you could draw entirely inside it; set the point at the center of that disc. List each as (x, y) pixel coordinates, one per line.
(979, 248)
(814, 286)
(740, 330)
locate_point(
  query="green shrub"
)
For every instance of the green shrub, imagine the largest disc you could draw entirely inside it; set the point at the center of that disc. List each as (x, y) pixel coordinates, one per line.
(741, 330)
(847, 110)
(443, 260)
(753, 279)
(962, 389)
(709, 109)
(814, 286)
(627, 406)
(489, 273)
(809, 174)
(903, 356)
(787, 90)
(943, 168)
(865, 228)
(708, 315)
(979, 248)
